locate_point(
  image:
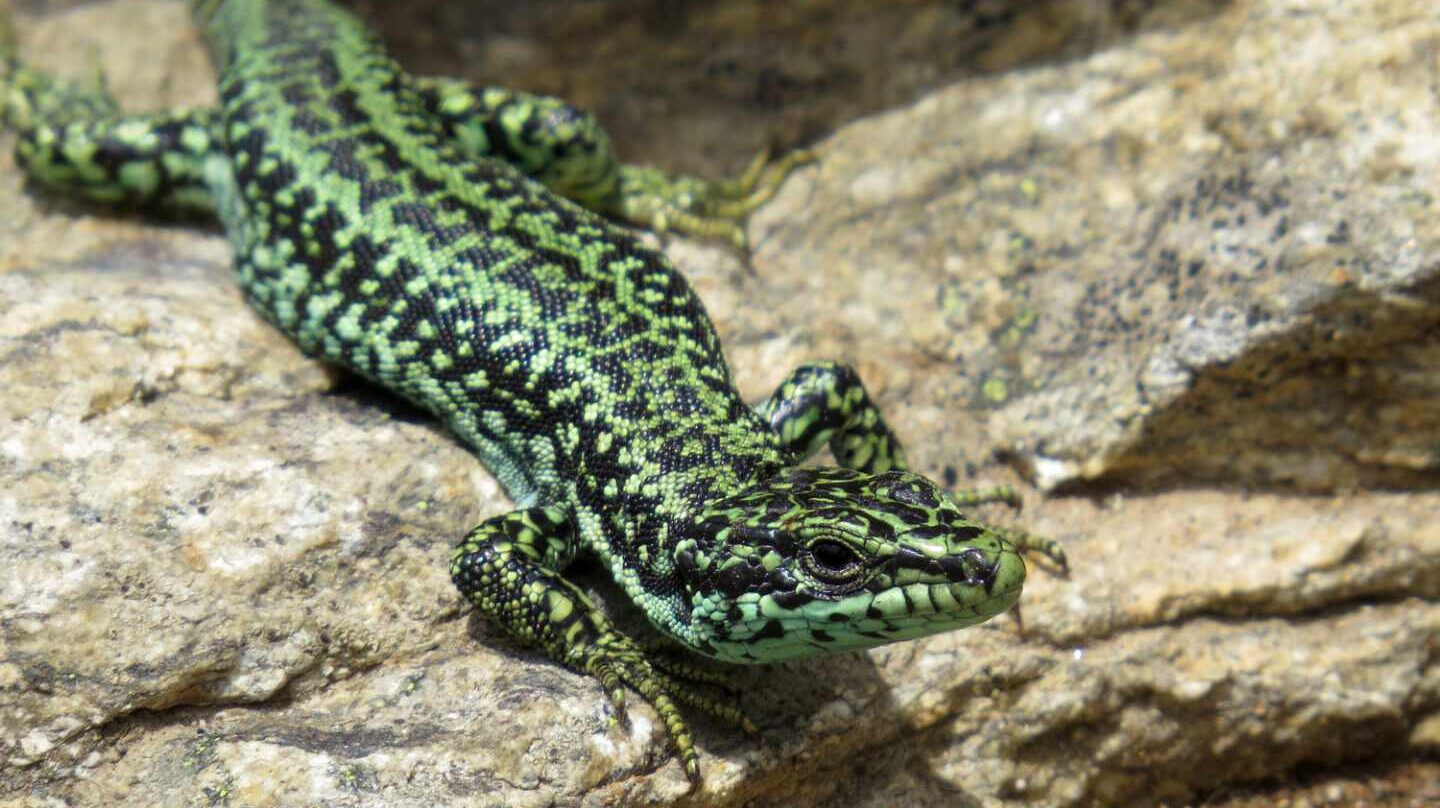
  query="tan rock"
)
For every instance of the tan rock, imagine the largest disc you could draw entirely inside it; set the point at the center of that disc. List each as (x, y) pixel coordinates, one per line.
(222, 568)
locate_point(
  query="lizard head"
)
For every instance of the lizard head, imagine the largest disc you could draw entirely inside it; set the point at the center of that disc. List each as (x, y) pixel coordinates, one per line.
(827, 559)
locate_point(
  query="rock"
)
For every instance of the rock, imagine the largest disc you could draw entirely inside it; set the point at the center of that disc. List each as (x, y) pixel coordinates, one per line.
(1209, 256)
(225, 566)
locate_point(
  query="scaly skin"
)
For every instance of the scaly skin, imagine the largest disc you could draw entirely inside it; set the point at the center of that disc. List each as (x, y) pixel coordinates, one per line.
(414, 232)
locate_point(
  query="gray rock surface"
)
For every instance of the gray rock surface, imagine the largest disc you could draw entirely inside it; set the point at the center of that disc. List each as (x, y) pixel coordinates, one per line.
(702, 85)
(1207, 256)
(224, 567)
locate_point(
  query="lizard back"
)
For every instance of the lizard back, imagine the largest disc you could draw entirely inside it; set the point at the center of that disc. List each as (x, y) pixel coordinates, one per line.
(554, 342)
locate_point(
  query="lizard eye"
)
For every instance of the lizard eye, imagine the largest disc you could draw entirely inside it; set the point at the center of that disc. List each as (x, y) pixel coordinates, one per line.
(831, 561)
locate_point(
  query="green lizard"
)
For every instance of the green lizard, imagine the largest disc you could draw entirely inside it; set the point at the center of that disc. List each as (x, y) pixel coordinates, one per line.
(450, 243)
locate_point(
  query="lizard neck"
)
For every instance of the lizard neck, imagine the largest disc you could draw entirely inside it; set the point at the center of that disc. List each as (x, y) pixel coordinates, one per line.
(634, 512)
(665, 475)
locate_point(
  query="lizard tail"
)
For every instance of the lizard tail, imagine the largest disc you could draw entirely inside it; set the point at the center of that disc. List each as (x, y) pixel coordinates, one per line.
(9, 62)
(7, 33)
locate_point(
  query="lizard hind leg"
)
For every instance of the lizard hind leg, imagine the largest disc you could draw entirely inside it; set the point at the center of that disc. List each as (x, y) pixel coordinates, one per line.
(711, 209)
(30, 98)
(549, 140)
(75, 139)
(145, 160)
(565, 148)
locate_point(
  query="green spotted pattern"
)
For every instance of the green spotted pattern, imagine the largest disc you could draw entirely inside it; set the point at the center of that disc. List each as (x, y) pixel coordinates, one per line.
(422, 233)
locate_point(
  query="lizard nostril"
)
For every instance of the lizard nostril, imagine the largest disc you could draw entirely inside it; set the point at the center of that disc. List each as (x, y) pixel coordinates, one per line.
(984, 570)
(970, 567)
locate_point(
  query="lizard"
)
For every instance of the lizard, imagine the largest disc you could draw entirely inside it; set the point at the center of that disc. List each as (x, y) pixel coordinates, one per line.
(470, 250)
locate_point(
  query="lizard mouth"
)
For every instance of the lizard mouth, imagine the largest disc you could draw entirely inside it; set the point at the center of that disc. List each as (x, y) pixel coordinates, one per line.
(865, 620)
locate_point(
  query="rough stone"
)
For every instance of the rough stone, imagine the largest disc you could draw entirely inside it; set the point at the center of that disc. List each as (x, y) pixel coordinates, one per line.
(224, 566)
(1207, 256)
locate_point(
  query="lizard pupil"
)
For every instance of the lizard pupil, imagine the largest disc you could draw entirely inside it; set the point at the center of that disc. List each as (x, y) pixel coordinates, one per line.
(832, 560)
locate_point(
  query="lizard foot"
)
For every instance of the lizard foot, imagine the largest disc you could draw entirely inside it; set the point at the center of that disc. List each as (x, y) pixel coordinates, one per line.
(617, 661)
(705, 208)
(1027, 543)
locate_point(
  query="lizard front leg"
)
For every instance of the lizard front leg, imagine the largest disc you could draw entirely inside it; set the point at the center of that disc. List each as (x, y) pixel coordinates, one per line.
(825, 402)
(509, 565)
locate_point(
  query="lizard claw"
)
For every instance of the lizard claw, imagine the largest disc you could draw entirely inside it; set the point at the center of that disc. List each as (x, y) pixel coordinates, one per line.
(617, 661)
(704, 208)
